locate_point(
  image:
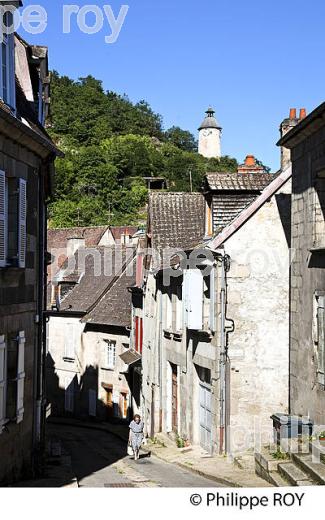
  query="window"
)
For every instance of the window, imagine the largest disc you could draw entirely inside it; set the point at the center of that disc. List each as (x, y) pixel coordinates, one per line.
(13, 208)
(69, 394)
(320, 336)
(319, 211)
(193, 299)
(92, 402)
(69, 343)
(110, 354)
(178, 308)
(199, 300)
(12, 378)
(7, 68)
(168, 309)
(138, 336)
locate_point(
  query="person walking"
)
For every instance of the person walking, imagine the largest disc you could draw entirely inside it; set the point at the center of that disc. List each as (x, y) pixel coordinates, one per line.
(136, 435)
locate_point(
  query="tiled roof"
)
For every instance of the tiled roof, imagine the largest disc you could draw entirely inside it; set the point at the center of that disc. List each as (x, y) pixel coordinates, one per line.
(227, 205)
(177, 220)
(118, 231)
(278, 182)
(96, 269)
(238, 181)
(58, 237)
(114, 308)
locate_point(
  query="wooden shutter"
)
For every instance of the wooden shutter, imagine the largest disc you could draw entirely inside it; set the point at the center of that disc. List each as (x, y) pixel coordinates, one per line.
(2, 381)
(321, 339)
(194, 299)
(3, 223)
(20, 376)
(92, 397)
(213, 297)
(22, 234)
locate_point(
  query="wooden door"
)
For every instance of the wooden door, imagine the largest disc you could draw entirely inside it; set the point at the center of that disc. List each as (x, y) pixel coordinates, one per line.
(123, 405)
(109, 402)
(205, 417)
(174, 399)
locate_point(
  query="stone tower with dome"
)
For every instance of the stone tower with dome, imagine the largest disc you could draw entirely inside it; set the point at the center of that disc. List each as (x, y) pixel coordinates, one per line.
(210, 136)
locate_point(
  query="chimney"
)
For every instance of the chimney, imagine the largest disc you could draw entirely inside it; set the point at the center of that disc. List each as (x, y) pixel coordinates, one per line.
(250, 160)
(293, 113)
(285, 127)
(73, 244)
(303, 114)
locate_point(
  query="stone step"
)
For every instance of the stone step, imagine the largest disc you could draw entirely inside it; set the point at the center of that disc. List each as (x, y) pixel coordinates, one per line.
(294, 475)
(277, 480)
(315, 470)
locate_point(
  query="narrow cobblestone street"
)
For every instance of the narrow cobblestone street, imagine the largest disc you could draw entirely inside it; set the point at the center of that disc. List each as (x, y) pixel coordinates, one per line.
(99, 459)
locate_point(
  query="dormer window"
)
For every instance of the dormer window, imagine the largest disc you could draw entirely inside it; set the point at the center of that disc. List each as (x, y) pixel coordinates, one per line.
(7, 69)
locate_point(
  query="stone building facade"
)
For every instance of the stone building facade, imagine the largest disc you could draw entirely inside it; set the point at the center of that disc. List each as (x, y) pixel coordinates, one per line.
(307, 286)
(89, 332)
(212, 368)
(26, 169)
(257, 245)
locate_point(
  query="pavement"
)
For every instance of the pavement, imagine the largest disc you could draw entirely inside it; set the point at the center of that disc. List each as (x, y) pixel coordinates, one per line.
(103, 446)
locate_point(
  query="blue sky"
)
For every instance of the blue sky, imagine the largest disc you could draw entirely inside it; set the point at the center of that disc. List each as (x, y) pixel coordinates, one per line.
(252, 60)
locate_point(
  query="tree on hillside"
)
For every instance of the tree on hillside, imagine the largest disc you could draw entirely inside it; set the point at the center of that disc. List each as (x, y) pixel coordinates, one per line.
(183, 139)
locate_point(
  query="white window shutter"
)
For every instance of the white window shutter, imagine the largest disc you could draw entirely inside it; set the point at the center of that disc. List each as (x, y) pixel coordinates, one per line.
(194, 299)
(321, 339)
(3, 223)
(12, 80)
(213, 297)
(69, 341)
(22, 232)
(20, 376)
(2, 381)
(92, 396)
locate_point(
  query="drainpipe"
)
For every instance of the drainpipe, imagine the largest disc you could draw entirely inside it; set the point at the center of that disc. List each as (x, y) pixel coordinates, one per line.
(40, 351)
(160, 333)
(224, 360)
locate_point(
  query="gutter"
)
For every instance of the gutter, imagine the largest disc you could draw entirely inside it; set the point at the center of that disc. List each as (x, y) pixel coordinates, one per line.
(46, 143)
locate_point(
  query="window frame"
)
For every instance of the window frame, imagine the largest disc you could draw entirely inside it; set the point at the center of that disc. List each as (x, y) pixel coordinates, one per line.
(320, 304)
(8, 42)
(19, 258)
(110, 352)
(69, 343)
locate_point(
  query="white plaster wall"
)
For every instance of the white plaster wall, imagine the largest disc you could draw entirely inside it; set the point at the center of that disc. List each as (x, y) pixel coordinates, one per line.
(258, 301)
(89, 352)
(57, 331)
(210, 145)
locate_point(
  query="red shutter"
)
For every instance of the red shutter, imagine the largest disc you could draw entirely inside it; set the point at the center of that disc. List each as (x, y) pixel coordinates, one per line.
(139, 270)
(138, 334)
(136, 319)
(141, 335)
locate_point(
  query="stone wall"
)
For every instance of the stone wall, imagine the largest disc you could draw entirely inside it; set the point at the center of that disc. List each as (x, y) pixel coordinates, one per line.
(307, 396)
(258, 302)
(88, 369)
(18, 309)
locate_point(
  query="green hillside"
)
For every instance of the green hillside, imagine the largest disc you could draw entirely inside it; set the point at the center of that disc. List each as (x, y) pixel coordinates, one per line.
(110, 145)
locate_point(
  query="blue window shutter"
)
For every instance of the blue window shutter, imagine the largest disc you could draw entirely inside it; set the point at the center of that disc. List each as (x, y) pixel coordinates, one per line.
(194, 299)
(22, 231)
